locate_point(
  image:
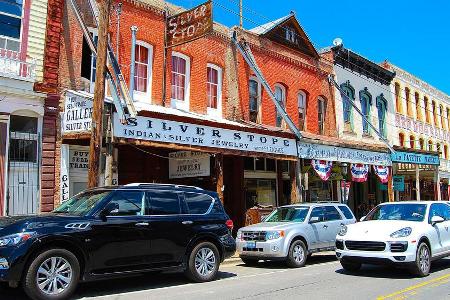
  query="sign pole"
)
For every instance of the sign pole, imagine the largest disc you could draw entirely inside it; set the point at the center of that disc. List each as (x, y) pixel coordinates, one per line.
(164, 75)
(95, 146)
(391, 185)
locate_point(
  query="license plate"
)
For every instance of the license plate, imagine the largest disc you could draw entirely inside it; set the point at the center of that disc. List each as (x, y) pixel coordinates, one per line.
(251, 245)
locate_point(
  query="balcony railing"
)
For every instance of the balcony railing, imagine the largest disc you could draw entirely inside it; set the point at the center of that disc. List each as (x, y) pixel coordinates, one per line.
(11, 66)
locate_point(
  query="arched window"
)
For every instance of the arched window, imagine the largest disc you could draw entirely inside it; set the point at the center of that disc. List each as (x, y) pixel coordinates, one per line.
(438, 149)
(448, 118)
(381, 109)
(321, 111)
(408, 102)
(445, 151)
(349, 91)
(280, 95)
(366, 101)
(412, 142)
(421, 144)
(427, 110)
(398, 99)
(302, 101)
(401, 139)
(143, 71)
(418, 106)
(181, 66)
(254, 101)
(434, 112)
(430, 145)
(442, 114)
(214, 90)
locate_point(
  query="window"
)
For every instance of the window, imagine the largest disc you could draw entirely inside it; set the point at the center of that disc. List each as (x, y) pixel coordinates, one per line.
(259, 164)
(438, 149)
(180, 80)
(412, 143)
(408, 102)
(319, 213)
(23, 124)
(321, 111)
(445, 151)
(302, 110)
(197, 203)
(346, 211)
(448, 118)
(143, 71)
(332, 214)
(214, 90)
(398, 103)
(427, 112)
(164, 203)
(439, 209)
(349, 91)
(382, 109)
(89, 60)
(280, 95)
(442, 114)
(11, 13)
(23, 139)
(418, 107)
(366, 101)
(254, 91)
(430, 146)
(130, 203)
(422, 144)
(291, 35)
(401, 139)
(434, 112)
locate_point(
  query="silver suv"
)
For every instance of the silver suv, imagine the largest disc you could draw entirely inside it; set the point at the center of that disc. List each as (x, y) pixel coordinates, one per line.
(291, 233)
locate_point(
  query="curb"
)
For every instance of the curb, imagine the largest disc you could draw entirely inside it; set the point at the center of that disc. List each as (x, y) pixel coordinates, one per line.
(231, 261)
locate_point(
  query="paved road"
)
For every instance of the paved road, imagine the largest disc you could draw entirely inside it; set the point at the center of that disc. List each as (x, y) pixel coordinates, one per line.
(322, 279)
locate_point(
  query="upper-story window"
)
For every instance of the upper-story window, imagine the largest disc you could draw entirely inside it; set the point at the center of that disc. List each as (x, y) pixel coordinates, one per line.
(434, 112)
(89, 60)
(11, 14)
(408, 102)
(302, 100)
(442, 114)
(421, 144)
(398, 99)
(321, 111)
(445, 151)
(280, 95)
(418, 106)
(412, 142)
(366, 101)
(180, 80)
(349, 91)
(214, 90)
(430, 145)
(143, 71)
(254, 101)
(401, 139)
(382, 109)
(448, 118)
(427, 110)
(291, 36)
(438, 149)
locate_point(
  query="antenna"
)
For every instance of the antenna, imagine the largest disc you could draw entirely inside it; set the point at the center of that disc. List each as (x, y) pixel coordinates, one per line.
(337, 42)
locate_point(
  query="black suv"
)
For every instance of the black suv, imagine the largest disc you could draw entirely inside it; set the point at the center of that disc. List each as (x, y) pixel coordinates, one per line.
(115, 231)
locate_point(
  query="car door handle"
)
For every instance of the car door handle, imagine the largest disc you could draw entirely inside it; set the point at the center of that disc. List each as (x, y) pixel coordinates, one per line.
(140, 224)
(325, 226)
(187, 222)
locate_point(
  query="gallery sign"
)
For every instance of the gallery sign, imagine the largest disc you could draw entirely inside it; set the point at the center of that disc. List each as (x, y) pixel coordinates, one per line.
(158, 130)
(77, 116)
(415, 158)
(419, 127)
(341, 154)
(189, 164)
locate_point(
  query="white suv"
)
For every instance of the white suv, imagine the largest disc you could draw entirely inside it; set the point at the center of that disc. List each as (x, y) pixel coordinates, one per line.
(411, 234)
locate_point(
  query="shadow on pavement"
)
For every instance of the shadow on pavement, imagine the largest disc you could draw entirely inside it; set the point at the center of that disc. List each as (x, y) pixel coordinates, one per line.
(391, 272)
(117, 286)
(313, 260)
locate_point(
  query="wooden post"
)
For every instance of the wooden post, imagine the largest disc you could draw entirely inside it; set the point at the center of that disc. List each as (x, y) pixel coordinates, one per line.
(293, 176)
(438, 184)
(417, 183)
(218, 159)
(95, 146)
(391, 185)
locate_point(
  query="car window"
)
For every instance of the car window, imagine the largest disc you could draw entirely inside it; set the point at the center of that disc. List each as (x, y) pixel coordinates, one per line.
(398, 211)
(164, 203)
(130, 203)
(331, 213)
(346, 211)
(288, 214)
(318, 212)
(197, 203)
(441, 210)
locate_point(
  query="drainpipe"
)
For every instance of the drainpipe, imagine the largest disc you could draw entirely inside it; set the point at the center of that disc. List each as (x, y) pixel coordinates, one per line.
(134, 29)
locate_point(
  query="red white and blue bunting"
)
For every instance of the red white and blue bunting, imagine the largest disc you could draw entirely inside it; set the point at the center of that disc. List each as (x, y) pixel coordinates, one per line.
(359, 172)
(382, 173)
(323, 168)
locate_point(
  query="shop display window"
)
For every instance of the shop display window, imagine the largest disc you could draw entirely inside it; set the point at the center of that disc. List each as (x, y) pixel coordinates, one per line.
(260, 192)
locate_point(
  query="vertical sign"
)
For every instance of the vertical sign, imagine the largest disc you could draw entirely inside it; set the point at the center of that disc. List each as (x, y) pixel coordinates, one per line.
(64, 189)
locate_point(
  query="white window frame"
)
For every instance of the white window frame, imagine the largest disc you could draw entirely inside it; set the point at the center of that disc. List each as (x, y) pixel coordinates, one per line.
(147, 96)
(322, 100)
(259, 99)
(175, 103)
(215, 112)
(283, 101)
(8, 38)
(94, 32)
(303, 95)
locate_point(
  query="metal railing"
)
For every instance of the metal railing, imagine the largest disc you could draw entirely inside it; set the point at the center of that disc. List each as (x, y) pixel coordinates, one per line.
(12, 66)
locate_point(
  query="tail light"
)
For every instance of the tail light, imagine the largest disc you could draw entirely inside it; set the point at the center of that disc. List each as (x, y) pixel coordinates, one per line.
(229, 224)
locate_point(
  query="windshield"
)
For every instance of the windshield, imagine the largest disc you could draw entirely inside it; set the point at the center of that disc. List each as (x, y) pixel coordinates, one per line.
(82, 203)
(399, 212)
(288, 214)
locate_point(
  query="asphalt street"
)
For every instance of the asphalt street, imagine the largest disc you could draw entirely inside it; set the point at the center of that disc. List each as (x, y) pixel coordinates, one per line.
(322, 278)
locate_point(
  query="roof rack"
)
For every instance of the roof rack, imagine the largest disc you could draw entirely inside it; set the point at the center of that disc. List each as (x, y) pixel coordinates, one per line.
(143, 184)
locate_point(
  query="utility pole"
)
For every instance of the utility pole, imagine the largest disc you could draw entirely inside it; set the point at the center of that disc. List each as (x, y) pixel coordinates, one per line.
(95, 146)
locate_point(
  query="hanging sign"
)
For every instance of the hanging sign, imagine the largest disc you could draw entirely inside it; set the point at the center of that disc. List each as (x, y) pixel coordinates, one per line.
(382, 173)
(415, 158)
(64, 186)
(359, 172)
(188, 164)
(189, 25)
(323, 168)
(399, 183)
(77, 116)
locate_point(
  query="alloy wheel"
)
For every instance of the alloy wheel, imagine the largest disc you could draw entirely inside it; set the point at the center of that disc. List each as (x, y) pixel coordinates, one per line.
(298, 253)
(54, 275)
(205, 261)
(424, 259)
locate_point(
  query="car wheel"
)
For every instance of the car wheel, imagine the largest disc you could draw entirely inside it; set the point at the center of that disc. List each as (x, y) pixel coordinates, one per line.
(423, 260)
(53, 274)
(250, 261)
(203, 263)
(297, 254)
(350, 266)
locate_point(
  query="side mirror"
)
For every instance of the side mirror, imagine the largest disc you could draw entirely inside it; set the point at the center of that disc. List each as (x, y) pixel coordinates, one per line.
(313, 220)
(109, 209)
(362, 219)
(436, 219)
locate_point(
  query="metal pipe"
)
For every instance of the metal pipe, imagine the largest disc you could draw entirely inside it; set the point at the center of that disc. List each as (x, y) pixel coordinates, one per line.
(119, 12)
(134, 29)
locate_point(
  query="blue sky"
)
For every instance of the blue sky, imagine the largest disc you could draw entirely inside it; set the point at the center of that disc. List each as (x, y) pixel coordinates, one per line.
(415, 35)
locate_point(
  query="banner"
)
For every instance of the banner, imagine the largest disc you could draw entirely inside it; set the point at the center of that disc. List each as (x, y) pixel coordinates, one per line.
(345, 189)
(323, 168)
(382, 173)
(359, 172)
(188, 164)
(189, 25)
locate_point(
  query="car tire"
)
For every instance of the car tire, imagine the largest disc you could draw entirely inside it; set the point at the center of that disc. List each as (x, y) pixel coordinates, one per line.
(203, 262)
(250, 261)
(422, 264)
(350, 266)
(62, 264)
(297, 254)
